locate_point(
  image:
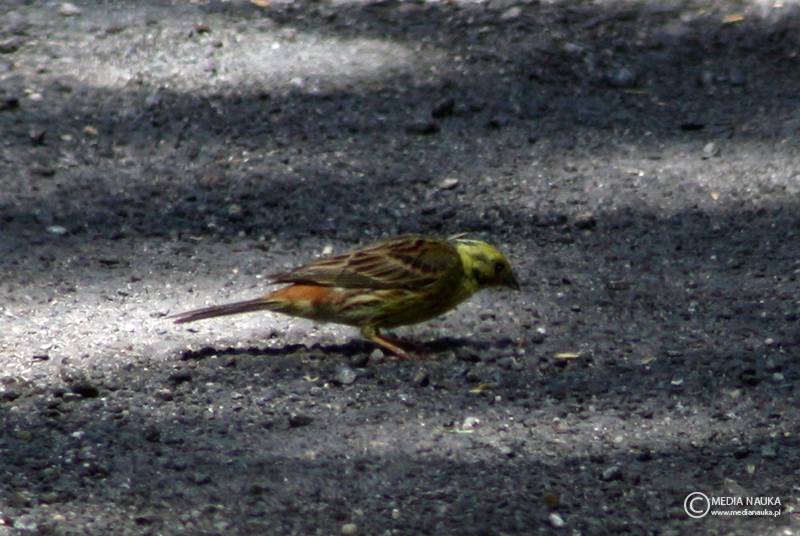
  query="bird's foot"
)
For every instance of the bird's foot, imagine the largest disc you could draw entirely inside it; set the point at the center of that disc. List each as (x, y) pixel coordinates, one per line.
(397, 350)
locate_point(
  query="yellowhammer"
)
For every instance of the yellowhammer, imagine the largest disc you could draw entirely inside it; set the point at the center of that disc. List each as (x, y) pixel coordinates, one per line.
(395, 282)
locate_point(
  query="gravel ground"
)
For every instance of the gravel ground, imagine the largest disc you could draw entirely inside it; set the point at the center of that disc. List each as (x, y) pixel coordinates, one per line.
(637, 160)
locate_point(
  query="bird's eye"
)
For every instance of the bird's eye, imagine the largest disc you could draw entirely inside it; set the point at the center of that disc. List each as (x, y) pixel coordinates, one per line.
(498, 268)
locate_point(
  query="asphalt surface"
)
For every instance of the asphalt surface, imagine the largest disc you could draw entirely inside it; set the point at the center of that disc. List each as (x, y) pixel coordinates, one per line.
(638, 162)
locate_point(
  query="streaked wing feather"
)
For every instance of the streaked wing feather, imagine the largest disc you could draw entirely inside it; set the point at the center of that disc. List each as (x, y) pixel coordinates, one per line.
(409, 262)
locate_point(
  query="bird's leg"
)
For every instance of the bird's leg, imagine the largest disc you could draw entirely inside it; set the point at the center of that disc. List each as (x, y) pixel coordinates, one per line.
(371, 333)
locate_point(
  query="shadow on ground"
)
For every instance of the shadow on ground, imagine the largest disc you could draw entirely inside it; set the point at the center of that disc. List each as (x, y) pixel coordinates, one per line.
(292, 455)
(339, 161)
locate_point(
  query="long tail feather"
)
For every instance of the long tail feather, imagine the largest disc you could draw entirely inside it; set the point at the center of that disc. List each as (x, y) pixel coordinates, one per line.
(247, 306)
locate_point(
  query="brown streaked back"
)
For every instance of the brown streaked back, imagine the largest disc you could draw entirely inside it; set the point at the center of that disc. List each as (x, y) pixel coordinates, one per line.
(407, 262)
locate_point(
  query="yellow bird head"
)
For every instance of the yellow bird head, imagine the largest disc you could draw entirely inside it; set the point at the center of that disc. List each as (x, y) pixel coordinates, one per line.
(484, 265)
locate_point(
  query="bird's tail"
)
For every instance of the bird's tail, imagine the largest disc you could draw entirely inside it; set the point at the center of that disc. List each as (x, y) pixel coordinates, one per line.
(235, 308)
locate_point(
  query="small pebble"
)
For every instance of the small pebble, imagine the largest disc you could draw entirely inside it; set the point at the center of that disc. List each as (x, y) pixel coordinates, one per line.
(617, 285)
(57, 230)
(71, 397)
(376, 356)
(448, 184)
(585, 220)
(235, 211)
(612, 473)
(69, 9)
(511, 13)
(537, 337)
(622, 78)
(345, 375)
(741, 452)
(506, 451)
(407, 400)
(349, 529)
(26, 523)
(164, 394)
(556, 520)
(9, 395)
(9, 46)
(421, 377)
(37, 135)
(711, 150)
(473, 376)
(470, 423)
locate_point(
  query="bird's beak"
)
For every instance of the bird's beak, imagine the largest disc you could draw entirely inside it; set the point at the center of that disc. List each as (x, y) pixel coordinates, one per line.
(511, 282)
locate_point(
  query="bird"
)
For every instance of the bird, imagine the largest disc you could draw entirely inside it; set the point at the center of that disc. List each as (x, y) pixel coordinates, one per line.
(394, 282)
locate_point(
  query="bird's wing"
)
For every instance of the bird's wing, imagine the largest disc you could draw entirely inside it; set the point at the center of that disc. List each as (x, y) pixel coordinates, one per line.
(408, 262)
